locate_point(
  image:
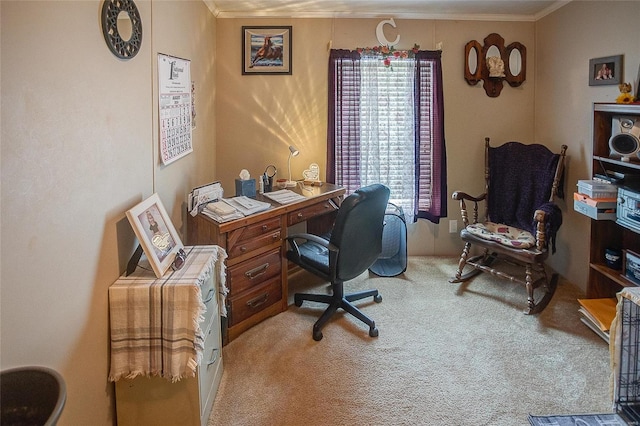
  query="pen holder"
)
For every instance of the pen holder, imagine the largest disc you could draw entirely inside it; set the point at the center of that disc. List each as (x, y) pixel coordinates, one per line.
(268, 183)
(246, 187)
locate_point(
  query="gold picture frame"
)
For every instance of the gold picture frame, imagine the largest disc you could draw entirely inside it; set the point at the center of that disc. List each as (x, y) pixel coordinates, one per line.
(266, 50)
(156, 233)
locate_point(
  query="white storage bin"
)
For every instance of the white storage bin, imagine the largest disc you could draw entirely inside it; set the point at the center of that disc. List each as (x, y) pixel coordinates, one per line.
(594, 208)
(597, 189)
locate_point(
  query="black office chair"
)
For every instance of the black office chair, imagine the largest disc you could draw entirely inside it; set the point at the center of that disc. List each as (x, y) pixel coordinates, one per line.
(352, 247)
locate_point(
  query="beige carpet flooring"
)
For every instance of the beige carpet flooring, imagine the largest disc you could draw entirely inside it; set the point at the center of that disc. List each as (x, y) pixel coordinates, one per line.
(447, 354)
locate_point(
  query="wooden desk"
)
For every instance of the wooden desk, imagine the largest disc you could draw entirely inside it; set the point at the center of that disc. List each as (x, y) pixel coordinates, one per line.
(256, 265)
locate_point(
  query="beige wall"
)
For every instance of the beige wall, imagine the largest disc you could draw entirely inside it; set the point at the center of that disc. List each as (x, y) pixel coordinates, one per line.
(79, 148)
(566, 40)
(259, 116)
(79, 145)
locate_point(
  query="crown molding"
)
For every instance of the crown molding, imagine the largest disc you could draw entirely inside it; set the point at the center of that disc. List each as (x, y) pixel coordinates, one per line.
(555, 6)
(383, 15)
(212, 7)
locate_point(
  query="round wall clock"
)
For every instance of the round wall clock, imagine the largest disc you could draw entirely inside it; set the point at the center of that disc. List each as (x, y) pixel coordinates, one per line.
(121, 18)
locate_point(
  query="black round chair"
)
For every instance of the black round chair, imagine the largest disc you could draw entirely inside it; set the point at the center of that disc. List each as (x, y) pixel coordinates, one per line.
(31, 396)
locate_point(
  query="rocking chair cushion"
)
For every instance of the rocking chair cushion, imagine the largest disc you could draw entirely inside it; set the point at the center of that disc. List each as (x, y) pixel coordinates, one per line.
(506, 235)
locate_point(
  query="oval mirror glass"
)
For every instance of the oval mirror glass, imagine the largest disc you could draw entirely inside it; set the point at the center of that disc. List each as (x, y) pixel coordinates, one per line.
(493, 51)
(515, 62)
(472, 60)
(125, 28)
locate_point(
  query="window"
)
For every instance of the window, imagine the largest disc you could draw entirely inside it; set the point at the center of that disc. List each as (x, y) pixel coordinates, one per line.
(386, 126)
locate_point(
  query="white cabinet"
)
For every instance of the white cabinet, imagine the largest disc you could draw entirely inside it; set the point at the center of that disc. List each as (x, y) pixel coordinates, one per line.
(158, 401)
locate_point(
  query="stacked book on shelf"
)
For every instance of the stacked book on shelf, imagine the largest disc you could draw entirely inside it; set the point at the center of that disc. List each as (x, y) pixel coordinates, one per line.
(598, 315)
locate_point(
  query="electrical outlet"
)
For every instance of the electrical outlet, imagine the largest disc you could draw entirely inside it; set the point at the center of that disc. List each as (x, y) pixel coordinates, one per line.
(453, 226)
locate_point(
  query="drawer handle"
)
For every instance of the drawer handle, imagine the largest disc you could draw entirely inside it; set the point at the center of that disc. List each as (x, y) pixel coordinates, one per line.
(300, 215)
(265, 227)
(257, 301)
(276, 236)
(210, 295)
(214, 357)
(256, 272)
(243, 249)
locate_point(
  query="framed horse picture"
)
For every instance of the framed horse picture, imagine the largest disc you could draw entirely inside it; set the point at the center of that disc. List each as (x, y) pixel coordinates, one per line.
(266, 50)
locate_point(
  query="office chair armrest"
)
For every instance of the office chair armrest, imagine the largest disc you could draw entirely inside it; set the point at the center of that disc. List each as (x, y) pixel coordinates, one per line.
(462, 196)
(309, 237)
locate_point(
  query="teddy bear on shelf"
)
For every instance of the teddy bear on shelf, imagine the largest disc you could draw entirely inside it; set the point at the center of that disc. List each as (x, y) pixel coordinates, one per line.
(625, 96)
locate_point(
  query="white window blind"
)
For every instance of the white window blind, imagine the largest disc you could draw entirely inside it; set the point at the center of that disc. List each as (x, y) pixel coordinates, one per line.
(387, 129)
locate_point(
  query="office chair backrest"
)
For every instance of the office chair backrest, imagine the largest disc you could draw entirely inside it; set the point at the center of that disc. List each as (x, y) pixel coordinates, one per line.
(357, 231)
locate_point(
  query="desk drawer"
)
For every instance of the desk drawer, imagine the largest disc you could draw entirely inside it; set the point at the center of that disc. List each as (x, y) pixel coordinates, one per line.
(210, 300)
(251, 237)
(253, 272)
(210, 367)
(307, 213)
(254, 301)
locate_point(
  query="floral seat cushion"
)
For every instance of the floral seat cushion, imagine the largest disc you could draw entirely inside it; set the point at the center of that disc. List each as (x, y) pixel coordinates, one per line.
(506, 235)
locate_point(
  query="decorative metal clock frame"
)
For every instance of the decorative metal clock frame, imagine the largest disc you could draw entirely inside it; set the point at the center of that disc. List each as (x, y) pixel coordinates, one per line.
(111, 9)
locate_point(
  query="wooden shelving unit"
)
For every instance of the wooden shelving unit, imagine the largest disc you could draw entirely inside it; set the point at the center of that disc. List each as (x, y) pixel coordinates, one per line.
(604, 281)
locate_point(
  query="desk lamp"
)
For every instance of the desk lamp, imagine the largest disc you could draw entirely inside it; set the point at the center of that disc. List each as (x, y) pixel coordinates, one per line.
(293, 152)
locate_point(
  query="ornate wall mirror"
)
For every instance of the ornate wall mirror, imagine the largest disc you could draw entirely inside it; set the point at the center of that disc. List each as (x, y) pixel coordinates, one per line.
(492, 63)
(472, 71)
(517, 64)
(122, 27)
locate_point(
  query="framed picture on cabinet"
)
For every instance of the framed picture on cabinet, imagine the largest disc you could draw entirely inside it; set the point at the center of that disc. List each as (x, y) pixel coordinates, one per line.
(266, 50)
(631, 266)
(156, 234)
(605, 71)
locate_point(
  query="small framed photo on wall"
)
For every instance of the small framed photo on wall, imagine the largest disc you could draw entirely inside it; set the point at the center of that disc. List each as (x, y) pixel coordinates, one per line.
(605, 71)
(156, 233)
(266, 50)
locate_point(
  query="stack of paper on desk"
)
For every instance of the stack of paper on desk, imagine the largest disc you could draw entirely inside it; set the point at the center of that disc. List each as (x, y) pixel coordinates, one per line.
(246, 205)
(221, 212)
(284, 196)
(234, 208)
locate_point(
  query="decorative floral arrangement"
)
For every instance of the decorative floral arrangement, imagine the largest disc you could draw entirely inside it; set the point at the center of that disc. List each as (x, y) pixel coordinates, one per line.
(387, 53)
(625, 96)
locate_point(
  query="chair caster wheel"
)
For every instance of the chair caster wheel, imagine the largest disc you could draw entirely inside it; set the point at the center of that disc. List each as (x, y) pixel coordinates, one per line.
(373, 332)
(377, 298)
(317, 336)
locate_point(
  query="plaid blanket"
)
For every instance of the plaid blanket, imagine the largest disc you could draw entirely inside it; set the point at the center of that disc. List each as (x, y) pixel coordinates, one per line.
(155, 323)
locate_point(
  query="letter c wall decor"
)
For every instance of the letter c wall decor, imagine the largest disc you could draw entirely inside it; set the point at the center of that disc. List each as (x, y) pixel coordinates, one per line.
(380, 33)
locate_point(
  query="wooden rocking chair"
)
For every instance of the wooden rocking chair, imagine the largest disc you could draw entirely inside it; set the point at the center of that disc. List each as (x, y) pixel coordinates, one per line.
(520, 218)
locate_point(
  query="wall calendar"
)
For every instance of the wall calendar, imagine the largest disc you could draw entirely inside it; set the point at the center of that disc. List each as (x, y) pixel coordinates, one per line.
(175, 107)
